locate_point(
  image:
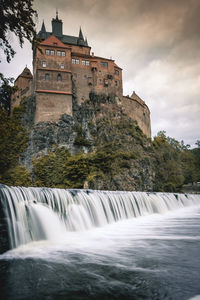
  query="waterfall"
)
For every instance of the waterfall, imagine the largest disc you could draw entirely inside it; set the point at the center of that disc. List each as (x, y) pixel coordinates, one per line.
(34, 214)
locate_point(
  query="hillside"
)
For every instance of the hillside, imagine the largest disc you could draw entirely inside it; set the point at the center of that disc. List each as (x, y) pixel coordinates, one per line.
(100, 147)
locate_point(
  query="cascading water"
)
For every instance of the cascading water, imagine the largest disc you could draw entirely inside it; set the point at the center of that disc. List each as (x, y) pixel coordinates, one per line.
(34, 214)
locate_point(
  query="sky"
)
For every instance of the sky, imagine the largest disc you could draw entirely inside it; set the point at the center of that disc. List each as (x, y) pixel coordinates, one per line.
(155, 42)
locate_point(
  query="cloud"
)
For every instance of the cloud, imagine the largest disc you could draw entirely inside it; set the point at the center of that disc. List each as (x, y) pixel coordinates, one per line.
(156, 43)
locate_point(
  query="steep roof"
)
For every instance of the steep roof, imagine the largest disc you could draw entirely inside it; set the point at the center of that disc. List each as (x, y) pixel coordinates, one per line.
(53, 41)
(26, 73)
(66, 39)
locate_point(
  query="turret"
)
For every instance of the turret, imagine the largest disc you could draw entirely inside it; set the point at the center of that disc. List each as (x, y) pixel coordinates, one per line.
(57, 26)
(81, 41)
(42, 33)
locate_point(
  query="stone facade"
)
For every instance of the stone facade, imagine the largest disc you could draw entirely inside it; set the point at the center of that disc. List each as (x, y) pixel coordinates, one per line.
(63, 68)
(137, 110)
(24, 84)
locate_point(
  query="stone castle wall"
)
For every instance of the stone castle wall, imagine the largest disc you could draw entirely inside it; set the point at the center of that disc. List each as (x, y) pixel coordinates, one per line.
(50, 107)
(139, 112)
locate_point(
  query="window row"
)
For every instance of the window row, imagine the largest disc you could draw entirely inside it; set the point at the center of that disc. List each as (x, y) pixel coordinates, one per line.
(105, 82)
(77, 62)
(75, 76)
(44, 64)
(47, 77)
(52, 52)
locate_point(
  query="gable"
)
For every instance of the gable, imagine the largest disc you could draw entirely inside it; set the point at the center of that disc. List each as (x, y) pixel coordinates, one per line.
(53, 41)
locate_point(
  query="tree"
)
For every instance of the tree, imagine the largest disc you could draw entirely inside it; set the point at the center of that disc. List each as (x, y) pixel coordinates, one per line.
(16, 16)
(198, 143)
(5, 92)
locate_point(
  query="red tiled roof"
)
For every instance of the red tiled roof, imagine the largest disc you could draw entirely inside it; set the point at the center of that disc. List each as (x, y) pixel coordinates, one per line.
(53, 41)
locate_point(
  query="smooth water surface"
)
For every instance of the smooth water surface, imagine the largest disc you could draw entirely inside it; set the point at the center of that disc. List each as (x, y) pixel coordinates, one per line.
(149, 257)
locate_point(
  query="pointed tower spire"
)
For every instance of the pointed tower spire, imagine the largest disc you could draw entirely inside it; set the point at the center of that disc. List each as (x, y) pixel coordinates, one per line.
(43, 29)
(56, 14)
(81, 34)
(86, 42)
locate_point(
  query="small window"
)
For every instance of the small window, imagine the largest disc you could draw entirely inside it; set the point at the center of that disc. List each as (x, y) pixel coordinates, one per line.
(116, 72)
(74, 75)
(77, 61)
(104, 64)
(73, 61)
(58, 53)
(59, 78)
(47, 77)
(52, 52)
(100, 81)
(85, 77)
(44, 64)
(116, 83)
(100, 72)
(47, 52)
(63, 53)
(62, 66)
(55, 44)
(85, 62)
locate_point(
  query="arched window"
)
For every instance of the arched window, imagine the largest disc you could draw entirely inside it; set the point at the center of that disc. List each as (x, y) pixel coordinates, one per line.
(59, 78)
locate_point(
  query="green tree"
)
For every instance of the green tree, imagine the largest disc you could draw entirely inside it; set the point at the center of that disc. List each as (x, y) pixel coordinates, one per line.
(5, 92)
(13, 139)
(169, 175)
(16, 16)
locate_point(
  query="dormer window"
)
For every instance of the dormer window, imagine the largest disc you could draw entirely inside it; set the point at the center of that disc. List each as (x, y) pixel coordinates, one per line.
(59, 78)
(44, 64)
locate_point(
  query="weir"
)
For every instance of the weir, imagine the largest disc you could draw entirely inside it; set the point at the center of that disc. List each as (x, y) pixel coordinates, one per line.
(32, 214)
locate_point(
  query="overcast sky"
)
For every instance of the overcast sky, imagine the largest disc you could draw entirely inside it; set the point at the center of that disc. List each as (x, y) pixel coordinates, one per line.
(156, 42)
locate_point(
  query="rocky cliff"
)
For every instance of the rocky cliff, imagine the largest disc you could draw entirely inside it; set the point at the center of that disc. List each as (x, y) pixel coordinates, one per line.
(99, 129)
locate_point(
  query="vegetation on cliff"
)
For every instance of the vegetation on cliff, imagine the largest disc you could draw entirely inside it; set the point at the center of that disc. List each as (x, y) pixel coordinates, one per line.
(107, 151)
(13, 141)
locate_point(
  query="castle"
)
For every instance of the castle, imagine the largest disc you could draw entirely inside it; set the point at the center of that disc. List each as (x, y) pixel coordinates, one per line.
(64, 67)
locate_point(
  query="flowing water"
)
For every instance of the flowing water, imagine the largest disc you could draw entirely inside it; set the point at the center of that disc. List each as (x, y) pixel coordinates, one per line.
(76, 244)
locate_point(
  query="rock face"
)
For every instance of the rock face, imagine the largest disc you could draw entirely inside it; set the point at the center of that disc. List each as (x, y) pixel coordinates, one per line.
(96, 123)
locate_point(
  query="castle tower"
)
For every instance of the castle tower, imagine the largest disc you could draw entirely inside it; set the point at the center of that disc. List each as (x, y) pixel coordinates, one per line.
(24, 87)
(52, 79)
(57, 26)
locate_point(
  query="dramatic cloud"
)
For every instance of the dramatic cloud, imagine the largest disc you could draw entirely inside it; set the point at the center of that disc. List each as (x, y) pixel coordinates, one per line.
(156, 42)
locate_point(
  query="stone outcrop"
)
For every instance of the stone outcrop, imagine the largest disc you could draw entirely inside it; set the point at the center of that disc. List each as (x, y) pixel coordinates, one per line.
(98, 122)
